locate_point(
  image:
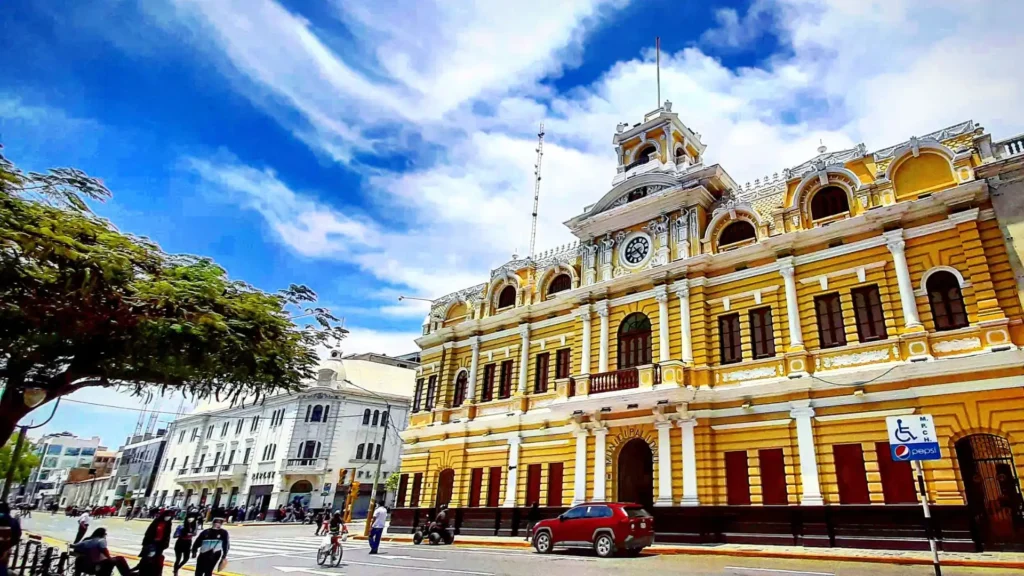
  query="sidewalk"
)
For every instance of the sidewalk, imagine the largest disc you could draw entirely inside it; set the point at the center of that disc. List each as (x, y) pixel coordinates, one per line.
(1007, 560)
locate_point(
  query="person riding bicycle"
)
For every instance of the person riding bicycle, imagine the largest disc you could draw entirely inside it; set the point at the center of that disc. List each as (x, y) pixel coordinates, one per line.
(336, 525)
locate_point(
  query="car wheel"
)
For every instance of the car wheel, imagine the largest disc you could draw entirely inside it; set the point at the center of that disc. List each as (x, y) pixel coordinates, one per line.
(542, 542)
(604, 545)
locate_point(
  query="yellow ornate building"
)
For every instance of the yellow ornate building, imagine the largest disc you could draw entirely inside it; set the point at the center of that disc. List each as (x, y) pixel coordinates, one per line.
(727, 354)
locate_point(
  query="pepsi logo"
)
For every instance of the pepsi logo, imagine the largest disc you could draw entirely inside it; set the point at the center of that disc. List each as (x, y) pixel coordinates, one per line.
(901, 452)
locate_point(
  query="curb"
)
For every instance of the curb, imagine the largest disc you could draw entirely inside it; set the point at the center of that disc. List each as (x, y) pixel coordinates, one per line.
(167, 563)
(701, 551)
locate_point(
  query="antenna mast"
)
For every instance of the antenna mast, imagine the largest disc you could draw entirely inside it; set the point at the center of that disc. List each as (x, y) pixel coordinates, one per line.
(536, 186)
(657, 51)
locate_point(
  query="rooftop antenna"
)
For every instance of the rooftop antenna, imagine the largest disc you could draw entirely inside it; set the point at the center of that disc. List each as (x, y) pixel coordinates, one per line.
(657, 60)
(536, 187)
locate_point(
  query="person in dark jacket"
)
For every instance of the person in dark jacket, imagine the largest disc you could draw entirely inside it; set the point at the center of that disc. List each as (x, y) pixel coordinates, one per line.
(10, 535)
(183, 540)
(154, 542)
(532, 518)
(212, 547)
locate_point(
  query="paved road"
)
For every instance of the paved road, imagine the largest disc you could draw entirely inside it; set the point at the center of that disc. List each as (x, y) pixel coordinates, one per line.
(291, 549)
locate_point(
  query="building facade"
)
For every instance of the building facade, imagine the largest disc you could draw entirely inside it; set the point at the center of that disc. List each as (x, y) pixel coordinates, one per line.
(309, 446)
(58, 455)
(727, 354)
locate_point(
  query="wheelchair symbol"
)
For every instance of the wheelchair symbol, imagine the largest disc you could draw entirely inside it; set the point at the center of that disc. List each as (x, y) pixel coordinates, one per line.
(903, 433)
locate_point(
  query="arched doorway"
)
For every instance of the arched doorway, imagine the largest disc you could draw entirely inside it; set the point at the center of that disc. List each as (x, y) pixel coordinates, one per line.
(445, 485)
(992, 488)
(634, 341)
(636, 473)
(301, 493)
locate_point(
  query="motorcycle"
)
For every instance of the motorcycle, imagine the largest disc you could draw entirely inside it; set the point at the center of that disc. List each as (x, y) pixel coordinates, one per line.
(434, 533)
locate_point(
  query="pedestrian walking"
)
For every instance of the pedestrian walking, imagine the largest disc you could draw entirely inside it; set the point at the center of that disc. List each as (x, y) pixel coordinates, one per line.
(183, 541)
(154, 542)
(380, 516)
(532, 518)
(212, 547)
(83, 526)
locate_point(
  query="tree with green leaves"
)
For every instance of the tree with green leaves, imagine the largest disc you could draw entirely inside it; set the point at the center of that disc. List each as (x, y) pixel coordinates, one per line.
(83, 304)
(26, 461)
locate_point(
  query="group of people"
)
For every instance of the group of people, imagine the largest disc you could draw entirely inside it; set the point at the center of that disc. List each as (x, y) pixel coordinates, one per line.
(209, 547)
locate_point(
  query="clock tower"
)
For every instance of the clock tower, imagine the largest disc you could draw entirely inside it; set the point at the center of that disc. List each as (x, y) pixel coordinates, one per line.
(660, 193)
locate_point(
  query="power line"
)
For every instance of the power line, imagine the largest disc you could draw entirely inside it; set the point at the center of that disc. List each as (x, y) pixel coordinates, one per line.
(211, 416)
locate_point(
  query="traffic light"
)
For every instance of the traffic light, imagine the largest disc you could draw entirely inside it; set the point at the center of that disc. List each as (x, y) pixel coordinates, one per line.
(342, 474)
(350, 500)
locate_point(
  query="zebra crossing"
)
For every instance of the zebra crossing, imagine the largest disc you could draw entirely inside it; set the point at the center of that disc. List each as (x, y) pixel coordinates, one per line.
(241, 547)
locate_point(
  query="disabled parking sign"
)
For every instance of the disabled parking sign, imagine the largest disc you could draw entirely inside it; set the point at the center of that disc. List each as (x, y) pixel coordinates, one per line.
(913, 437)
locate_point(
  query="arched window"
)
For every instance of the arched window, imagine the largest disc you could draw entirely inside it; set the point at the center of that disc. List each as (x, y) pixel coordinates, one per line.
(561, 283)
(680, 154)
(461, 381)
(507, 297)
(384, 419)
(829, 201)
(946, 300)
(634, 341)
(318, 413)
(637, 194)
(376, 454)
(644, 156)
(376, 417)
(359, 451)
(366, 417)
(369, 451)
(737, 231)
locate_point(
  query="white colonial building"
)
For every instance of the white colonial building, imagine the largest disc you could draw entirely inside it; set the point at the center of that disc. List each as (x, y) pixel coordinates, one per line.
(309, 445)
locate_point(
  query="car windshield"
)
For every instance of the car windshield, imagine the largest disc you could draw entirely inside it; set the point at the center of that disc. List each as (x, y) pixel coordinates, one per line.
(637, 513)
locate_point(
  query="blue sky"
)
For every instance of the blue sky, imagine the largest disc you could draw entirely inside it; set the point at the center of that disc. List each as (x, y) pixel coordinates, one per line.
(370, 151)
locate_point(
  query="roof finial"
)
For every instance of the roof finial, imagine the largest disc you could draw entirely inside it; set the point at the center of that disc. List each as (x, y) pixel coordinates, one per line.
(822, 147)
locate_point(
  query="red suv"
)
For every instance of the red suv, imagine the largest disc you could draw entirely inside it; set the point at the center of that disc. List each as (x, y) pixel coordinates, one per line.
(607, 527)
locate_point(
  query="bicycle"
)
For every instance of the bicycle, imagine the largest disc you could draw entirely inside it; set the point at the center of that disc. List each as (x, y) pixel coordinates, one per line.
(331, 550)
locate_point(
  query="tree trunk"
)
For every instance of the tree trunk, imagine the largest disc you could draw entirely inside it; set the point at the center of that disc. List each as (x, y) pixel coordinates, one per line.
(12, 410)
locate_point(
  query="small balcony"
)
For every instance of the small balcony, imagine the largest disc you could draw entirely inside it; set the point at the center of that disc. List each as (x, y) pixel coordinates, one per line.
(624, 379)
(211, 472)
(305, 465)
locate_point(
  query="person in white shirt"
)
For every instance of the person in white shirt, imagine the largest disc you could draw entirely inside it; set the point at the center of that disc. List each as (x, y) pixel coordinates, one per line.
(380, 516)
(83, 525)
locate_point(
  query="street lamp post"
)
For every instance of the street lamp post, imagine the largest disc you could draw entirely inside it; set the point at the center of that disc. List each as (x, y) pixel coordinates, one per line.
(32, 398)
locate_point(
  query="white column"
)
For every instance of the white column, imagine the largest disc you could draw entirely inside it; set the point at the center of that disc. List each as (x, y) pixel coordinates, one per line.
(683, 293)
(584, 314)
(524, 355)
(600, 434)
(894, 240)
(689, 463)
(802, 413)
(513, 472)
(661, 295)
(602, 358)
(664, 464)
(579, 492)
(796, 335)
(474, 364)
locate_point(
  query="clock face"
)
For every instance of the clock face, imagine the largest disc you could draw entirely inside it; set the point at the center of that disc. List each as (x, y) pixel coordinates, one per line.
(637, 249)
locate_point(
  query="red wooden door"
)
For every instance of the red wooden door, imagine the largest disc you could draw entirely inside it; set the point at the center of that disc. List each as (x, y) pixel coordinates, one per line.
(532, 484)
(737, 478)
(555, 470)
(476, 480)
(494, 487)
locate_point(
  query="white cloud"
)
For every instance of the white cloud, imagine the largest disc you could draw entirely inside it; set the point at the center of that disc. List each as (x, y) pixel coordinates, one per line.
(392, 343)
(876, 71)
